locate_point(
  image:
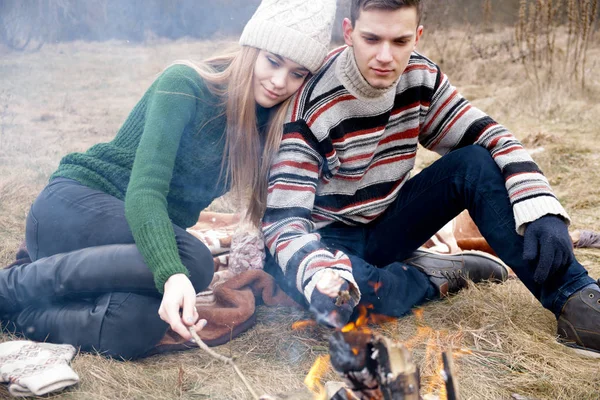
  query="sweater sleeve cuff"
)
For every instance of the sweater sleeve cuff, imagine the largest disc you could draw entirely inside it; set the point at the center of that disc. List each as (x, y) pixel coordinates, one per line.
(165, 273)
(347, 275)
(156, 241)
(529, 210)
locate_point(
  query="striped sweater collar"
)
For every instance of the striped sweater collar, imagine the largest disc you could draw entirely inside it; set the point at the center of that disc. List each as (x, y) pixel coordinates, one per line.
(349, 75)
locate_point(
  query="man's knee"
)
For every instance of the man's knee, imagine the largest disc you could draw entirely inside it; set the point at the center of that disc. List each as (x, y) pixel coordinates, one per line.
(475, 164)
(473, 155)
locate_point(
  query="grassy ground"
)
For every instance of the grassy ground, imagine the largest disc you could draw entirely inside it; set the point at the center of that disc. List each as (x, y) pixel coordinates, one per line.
(69, 96)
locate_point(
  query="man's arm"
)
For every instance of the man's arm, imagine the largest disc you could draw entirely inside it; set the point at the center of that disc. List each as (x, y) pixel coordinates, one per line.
(287, 224)
(451, 122)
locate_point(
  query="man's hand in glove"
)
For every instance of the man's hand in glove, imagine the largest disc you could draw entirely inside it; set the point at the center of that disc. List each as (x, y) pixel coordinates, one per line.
(547, 242)
(331, 301)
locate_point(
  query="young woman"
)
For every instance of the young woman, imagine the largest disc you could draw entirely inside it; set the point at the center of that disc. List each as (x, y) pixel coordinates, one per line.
(113, 266)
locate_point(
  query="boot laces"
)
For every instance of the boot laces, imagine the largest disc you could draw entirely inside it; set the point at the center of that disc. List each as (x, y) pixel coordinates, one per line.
(453, 276)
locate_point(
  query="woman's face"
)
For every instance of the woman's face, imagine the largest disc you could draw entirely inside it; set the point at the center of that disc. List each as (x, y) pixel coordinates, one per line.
(276, 78)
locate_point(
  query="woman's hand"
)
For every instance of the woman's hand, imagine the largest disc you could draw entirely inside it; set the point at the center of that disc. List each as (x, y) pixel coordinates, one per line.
(180, 294)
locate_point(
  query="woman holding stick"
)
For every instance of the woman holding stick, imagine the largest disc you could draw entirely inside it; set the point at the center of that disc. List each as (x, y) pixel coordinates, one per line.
(113, 266)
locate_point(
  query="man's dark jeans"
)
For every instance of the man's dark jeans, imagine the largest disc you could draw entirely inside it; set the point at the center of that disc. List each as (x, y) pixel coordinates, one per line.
(463, 179)
(107, 300)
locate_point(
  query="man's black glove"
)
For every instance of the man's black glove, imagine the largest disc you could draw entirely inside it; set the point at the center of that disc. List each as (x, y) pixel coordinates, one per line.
(330, 311)
(547, 240)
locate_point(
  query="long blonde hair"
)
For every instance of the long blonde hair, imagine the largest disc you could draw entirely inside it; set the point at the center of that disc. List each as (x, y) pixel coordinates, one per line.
(229, 76)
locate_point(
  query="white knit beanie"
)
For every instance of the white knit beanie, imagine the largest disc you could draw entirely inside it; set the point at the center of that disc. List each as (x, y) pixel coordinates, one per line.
(296, 29)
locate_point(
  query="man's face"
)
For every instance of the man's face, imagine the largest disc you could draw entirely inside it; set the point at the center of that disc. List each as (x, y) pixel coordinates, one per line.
(383, 41)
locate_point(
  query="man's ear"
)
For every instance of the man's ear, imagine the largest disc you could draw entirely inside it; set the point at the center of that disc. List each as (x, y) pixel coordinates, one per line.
(418, 35)
(348, 29)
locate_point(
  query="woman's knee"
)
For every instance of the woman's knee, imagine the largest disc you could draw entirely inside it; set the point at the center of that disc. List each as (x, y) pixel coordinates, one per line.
(31, 235)
(68, 209)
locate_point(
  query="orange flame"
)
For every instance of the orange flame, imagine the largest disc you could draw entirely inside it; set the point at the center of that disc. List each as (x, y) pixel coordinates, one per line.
(365, 318)
(362, 319)
(375, 285)
(360, 322)
(434, 383)
(350, 326)
(379, 319)
(435, 342)
(304, 324)
(313, 378)
(418, 314)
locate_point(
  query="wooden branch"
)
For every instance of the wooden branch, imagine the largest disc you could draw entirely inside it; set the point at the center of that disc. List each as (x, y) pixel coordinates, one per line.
(519, 397)
(226, 360)
(398, 374)
(451, 385)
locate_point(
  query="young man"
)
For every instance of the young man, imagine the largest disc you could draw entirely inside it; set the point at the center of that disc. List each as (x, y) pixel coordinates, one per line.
(342, 212)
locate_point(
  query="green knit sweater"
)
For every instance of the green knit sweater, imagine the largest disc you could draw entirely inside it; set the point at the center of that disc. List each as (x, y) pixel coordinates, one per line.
(165, 163)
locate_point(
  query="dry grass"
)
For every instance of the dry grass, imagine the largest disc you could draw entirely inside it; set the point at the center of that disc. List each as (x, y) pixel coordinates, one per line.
(540, 21)
(67, 97)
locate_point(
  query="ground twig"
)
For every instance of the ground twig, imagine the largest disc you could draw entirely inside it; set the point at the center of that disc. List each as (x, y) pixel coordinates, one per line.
(226, 360)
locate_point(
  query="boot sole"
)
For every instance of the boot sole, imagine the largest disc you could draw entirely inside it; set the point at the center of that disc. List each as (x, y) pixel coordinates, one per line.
(590, 353)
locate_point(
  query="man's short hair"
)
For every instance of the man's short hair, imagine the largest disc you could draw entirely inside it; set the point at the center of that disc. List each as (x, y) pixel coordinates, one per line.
(388, 5)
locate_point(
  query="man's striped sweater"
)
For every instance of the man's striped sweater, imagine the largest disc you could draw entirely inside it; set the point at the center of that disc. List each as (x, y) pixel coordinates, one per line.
(348, 148)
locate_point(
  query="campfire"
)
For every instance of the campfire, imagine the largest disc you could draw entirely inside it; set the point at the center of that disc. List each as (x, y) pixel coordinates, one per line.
(375, 367)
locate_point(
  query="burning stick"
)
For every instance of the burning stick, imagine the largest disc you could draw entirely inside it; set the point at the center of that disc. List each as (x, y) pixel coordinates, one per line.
(451, 385)
(373, 366)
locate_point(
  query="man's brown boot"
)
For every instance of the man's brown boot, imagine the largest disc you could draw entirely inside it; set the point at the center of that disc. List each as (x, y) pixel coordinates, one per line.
(450, 272)
(579, 321)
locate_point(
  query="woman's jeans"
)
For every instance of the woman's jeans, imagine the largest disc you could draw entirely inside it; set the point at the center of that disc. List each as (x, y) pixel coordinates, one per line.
(463, 179)
(88, 284)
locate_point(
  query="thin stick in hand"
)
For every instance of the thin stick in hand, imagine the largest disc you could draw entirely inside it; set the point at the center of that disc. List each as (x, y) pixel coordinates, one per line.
(220, 357)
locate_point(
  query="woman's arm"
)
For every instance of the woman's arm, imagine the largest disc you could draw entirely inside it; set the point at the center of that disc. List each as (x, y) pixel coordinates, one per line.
(171, 109)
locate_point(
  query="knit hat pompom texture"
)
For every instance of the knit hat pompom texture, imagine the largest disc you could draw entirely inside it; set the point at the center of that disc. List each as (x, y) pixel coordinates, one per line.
(296, 29)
